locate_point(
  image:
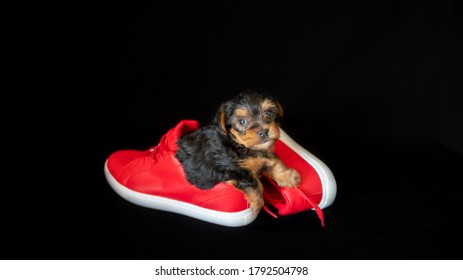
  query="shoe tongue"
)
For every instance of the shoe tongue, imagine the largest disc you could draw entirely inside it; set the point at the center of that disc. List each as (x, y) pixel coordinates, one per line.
(184, 127)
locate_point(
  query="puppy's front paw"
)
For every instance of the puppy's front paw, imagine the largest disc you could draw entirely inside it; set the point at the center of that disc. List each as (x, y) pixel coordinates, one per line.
(288, 178)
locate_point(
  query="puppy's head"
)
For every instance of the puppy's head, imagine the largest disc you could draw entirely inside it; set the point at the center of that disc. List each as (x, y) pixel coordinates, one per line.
(251, 119)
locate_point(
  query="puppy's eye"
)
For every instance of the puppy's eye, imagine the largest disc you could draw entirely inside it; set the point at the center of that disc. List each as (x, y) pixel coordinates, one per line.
(269, 116)
(243, 121)
(269, 113)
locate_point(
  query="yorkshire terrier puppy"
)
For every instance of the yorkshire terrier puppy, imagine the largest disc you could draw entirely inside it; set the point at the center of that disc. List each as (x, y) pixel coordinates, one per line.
(238, 148)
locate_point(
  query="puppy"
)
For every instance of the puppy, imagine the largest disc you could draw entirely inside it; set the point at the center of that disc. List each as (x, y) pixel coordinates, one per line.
(238, 147)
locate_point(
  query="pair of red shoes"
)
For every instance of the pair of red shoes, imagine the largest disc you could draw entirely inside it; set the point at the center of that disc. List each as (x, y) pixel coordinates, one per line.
(155, 179)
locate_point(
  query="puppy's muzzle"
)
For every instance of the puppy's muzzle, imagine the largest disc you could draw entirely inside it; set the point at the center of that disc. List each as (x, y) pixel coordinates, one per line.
(263, 135)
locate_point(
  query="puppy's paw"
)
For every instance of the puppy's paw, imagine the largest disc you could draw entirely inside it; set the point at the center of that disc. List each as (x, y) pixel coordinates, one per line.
(256, 205)
(255, 200)
(288, 178)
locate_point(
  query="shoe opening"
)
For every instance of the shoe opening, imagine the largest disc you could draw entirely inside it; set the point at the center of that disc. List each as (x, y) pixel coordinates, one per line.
(272, 195)
(187, 126)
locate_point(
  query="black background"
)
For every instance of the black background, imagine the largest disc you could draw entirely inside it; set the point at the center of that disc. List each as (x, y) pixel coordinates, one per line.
(372, 88)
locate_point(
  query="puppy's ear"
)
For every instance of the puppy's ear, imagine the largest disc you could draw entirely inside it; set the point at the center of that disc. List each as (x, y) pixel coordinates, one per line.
(280, 109)
(220, 118)
(278, 105)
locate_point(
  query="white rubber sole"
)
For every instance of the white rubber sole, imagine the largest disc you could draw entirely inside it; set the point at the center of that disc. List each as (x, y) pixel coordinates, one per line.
(229, 219)
(326, 176)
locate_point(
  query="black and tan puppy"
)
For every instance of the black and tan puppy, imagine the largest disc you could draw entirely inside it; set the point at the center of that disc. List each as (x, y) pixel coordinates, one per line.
(238, 147)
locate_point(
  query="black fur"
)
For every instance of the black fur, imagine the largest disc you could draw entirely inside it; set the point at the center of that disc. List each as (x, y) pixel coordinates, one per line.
(208, 157)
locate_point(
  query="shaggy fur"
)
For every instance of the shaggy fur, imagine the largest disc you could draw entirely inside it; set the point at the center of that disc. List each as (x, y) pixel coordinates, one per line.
(237, 147)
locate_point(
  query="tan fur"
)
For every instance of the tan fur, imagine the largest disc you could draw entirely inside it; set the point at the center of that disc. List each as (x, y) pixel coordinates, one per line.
(232, 182)
(253, 165)
(273, 130)
(267, 104)
(222, 121)
(281, 174)
(239, 138)
(251, 136)
(255, 197)
(251, 139)
(280, 109)
(241, 112)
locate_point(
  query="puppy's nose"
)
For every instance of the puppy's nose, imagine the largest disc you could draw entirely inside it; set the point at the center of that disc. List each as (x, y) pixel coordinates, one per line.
(263, 133)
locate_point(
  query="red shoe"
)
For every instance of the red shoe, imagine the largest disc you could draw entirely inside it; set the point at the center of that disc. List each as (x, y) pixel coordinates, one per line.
(155, 179)
(318, 186)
